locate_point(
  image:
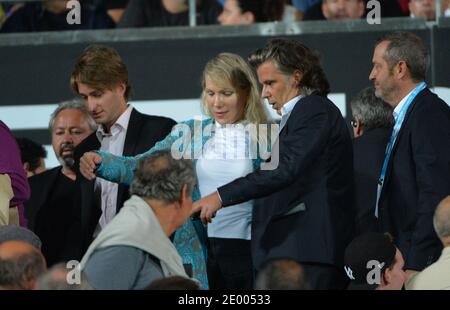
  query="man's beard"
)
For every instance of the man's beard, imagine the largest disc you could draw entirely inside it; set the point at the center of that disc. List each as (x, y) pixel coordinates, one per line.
(66, 160)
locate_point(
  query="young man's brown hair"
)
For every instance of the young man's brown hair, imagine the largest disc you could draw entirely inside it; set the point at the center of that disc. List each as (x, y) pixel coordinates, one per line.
(100, 67)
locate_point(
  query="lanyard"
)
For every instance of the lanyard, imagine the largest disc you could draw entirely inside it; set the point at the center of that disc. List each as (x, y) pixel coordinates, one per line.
(397, 126)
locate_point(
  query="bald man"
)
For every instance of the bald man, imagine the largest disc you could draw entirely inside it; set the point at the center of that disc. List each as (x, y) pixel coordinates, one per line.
(20, 265)
(437, 275)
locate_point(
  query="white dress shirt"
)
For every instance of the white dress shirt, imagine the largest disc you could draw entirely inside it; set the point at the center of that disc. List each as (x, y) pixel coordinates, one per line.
(287, 108)
(112, 142)
(399, 106)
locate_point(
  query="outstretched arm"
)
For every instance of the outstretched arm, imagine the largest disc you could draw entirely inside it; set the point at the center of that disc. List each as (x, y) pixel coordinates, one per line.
(119, 169)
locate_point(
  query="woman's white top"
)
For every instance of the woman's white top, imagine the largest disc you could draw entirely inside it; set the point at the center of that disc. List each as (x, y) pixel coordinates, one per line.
(226, 157)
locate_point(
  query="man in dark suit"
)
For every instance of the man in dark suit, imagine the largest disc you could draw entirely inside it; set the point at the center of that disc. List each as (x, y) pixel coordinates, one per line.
(101, 78)
(416, 169)
(306, 206)
(372, 124)
(53, 211)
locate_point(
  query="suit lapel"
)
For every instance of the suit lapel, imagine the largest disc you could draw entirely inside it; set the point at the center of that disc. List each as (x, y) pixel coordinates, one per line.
(129, 148)
(133, 130)
(401, 132)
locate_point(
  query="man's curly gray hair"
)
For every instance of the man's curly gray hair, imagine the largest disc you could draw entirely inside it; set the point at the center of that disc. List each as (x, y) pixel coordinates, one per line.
(161, 177)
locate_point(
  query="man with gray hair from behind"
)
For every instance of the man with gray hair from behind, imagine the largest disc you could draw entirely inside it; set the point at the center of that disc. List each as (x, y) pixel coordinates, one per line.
(59, 277)
(372, 124)
(134, 249)
(437, 275)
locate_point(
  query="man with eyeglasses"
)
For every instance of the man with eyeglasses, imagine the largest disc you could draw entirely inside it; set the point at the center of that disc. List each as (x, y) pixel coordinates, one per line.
(372, 124)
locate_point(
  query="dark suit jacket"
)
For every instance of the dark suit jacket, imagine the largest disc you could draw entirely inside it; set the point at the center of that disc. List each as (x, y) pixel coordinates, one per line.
(368, 156)
(142, 133)
(70, 246)
(417, 179)
(306, 211)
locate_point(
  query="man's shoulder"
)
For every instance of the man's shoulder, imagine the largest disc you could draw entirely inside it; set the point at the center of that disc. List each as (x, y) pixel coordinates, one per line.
(316, 101)
(429, 109)
(316, 104)
(427, 101)
(43, 178)
(152, 119)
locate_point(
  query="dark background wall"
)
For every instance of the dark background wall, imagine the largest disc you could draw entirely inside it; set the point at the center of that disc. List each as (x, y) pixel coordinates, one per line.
(36, 71)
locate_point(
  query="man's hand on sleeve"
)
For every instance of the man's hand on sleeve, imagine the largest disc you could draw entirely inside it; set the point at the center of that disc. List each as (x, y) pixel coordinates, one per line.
(207, 206)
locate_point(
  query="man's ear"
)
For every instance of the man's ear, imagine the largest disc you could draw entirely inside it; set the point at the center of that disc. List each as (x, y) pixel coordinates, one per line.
(386, 277)
(298, 77)
(401, 69)
(122, 88)
(184, 194)
(358, 129)
(248, 18)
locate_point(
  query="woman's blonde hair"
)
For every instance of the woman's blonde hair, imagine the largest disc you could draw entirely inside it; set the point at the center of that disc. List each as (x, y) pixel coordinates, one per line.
(231, 69)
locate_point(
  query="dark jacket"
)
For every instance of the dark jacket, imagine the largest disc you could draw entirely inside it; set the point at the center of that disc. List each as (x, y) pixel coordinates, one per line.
(61, 241)
(368, 156)
(417, 179)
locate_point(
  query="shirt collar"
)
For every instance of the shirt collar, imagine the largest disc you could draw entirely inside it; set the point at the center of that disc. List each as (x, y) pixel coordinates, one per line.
(399, 106)
(289, 106)
(220, 126)
(118, 126)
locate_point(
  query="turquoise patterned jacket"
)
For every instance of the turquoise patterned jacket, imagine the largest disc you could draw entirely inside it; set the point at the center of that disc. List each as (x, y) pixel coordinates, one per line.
(186, 139)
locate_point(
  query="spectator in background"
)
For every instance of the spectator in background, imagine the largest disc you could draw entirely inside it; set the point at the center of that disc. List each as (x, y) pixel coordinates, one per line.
(281, 274)
(372, 124)
(33, 156)
(304, 5)
(20, 265)
(245, 12)
(437, 275)
(343, 9)
(53, 211)
(134, 249)
(373, 262)
(350, 9)
(57, 278)
(114, 8)
(426, 8)
(14, 188)
(51, 15)
(14, 232)
(159, 13)
(336, 10)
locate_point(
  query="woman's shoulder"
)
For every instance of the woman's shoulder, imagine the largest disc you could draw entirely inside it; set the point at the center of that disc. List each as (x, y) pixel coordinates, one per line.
(192, 122)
